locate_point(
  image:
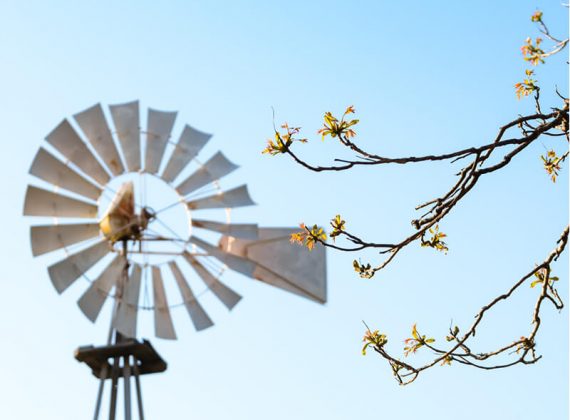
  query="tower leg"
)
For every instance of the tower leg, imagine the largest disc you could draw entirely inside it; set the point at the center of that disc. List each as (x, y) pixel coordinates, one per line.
(127, 386)
(114, 386)
(138, 386)
(100, 393)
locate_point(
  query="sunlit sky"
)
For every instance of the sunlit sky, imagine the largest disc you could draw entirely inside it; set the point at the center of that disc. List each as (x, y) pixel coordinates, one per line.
(423, 76)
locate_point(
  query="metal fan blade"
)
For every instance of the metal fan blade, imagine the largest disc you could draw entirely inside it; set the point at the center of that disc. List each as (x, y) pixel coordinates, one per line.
(50, 169)
(237, 230)
(190, 143)
(163, 326)
(238, 197)
(159, 127)
(45, 203)
(69, 144)
(49, 238)
(127, 123)
(199, 317)
(214, 169)
(94, 297)
(94, 125)
(126, 319)
(282, 264)
(226, 295)
(236, 263)
(65, 272)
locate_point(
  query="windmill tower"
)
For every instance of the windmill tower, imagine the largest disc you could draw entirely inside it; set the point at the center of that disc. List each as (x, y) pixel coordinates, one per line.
(135, 217)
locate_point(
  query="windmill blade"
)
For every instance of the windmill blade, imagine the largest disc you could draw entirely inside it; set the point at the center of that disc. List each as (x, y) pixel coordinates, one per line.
(94, 125)
(237, 197)
(45, 203)
(127, 123)
(237, 230)
(46, 167)
(282, 264)
(69, 144)
(49, 238)
(189, 144)
(199, 317)
(94, 297)
(126, 319)
(226, 295)
(236, 263)
(159, 127)
(65, 272)
(217, 167)
(163, 326)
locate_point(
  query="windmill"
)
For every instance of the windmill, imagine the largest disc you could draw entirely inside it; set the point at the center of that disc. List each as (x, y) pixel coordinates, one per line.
(137, 225)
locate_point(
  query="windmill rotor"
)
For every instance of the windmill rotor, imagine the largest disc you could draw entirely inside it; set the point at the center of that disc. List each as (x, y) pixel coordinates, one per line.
(118, 207)
(137, 215)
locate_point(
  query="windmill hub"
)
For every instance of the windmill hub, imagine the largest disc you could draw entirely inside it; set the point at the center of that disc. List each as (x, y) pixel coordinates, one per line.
(155, 227)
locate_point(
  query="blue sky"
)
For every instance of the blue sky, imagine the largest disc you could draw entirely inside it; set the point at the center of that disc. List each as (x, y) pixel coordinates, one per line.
(423, 77)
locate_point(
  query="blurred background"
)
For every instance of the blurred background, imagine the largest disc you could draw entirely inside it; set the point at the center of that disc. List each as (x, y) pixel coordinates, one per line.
(424, 77)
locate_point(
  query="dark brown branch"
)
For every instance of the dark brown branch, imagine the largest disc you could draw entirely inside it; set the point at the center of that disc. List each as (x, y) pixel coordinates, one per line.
(373, 159)
(524, 346)
(468, 177)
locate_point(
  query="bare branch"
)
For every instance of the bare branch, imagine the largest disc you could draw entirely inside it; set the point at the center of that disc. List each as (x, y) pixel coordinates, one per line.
(522, 347)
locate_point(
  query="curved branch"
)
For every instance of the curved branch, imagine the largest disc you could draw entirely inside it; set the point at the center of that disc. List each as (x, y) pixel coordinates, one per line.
(372, 159)
(438, 208)
(524, 347)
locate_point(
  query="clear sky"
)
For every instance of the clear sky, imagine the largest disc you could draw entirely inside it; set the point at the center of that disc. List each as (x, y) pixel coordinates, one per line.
(423, 77)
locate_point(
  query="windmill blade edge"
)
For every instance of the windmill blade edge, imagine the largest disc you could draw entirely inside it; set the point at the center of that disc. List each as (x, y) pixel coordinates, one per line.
(198, 315)
(49, 238)
(126, 318)
(189, 144)
(214, 169)
(66, 140)
(225, 294)
(163, 326)
(92, 301)
(237, 230)
(94, 125)
(68, 270)
(159, 127)
(126, 118)
(40, 202)
(236, 197)
(51, 170)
